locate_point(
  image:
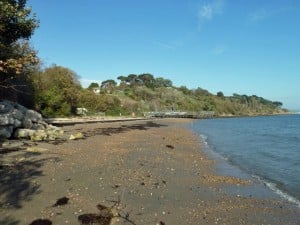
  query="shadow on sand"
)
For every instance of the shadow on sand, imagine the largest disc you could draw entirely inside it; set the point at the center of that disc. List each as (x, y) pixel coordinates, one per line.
(8, 221)
(122, 129)
(17, 180)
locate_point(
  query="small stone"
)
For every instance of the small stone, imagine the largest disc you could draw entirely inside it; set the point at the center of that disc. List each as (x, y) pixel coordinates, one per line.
(76, 136)
(36, 149)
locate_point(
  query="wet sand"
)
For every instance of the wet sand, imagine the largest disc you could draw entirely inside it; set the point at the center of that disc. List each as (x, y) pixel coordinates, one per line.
(146, 172)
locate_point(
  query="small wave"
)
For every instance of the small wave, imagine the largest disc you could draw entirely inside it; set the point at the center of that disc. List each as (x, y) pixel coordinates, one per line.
(204, 140)
(279, 192)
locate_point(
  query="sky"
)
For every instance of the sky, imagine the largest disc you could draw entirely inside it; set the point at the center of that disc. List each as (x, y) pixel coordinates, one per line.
(233, 46)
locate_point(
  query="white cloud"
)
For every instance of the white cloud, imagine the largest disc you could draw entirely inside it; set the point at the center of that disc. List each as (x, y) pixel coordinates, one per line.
(210, 10)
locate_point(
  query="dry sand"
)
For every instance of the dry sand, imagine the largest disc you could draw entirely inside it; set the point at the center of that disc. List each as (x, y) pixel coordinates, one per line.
(147, 172)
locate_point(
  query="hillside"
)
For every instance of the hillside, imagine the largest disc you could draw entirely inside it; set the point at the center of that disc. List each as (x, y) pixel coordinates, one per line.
(145, 93)
(56, 91)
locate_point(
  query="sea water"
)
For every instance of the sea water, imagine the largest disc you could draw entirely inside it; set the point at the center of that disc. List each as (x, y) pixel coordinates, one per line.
(267, 148)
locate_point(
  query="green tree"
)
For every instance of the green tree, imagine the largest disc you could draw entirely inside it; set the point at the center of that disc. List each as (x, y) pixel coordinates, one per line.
(202, 92)
(122, 79)
(108, 85)
(277, 104)
(93, 85)
(17, 25)
(132, 79)
(147, 79)
(184, 90)
(57, 91)
(162, 82)
(220, 94)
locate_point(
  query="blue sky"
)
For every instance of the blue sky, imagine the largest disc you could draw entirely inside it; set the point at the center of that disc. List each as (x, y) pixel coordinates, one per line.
(234, 46)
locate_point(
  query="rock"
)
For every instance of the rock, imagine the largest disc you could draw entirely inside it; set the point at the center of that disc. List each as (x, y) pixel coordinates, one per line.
(49, 134)
(33, 115)
(5, 106)
(21, 108)
(38, 135)
(6, 131)
(38, 126)
(17, 123)
(76, 136)
(6, 119)
(54, 133)
(27, 123)
(23, 133)
(17, 114)
(20, 122)
(36, 149)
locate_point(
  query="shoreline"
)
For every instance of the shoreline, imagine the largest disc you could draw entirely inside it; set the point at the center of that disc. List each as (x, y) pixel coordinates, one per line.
(154, 170)
(225, 167)
(110, 119)
(261, 187)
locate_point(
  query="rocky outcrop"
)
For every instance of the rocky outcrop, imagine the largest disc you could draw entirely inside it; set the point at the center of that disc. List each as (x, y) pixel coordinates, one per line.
(19, 122)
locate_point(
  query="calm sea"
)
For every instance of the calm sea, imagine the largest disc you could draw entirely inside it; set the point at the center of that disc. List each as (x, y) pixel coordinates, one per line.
(267, 148)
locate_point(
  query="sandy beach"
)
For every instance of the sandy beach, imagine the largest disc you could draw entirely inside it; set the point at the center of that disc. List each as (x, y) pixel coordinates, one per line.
(133, 172)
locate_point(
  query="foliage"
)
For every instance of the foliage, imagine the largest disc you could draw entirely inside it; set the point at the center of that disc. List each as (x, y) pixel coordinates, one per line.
(146, 79)
(220, 94)
(108, 86)
(17, 24)
(57, 91)
(93, 85)
(162, 82)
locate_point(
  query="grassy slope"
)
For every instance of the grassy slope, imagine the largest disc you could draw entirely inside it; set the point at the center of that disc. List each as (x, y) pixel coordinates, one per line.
(140, 99)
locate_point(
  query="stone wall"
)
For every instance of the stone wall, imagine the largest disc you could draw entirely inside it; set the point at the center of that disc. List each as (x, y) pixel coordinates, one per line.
(16, 121)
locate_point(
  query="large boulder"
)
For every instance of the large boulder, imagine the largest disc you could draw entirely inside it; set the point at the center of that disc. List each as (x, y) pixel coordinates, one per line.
(5, 106)
(6, 131)
(19, 122)
(33, 116)
(6, 119)
(17, 114)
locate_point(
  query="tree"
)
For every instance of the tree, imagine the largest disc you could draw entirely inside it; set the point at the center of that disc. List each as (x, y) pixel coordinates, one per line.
(132, 79)
(93, 85)
(17, 25)
(57, 91)
(202, 92)
(184, 90)
(122, 79)
(162, 82)
(147, 79)
(220, 94)
(108, 85)
(277, 104)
